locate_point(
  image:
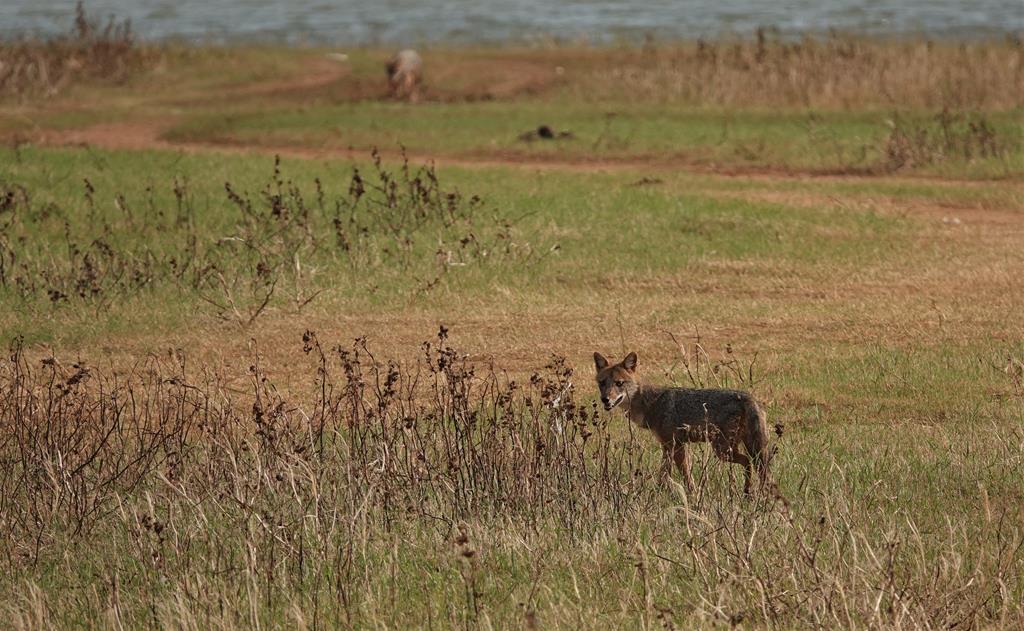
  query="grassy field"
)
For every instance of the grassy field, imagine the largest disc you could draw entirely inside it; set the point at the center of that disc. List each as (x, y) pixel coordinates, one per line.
(336, 389)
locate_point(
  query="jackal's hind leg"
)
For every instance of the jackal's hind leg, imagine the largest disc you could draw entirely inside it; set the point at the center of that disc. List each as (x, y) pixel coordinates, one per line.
(758, 456)
(729, 451)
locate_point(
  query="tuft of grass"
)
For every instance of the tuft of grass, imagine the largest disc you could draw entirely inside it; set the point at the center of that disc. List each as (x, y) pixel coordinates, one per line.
(91, 51)
(949, 136)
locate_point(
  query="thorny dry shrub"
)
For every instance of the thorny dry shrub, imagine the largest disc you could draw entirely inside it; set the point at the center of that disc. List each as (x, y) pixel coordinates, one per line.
(404, 494)
(90, 51)
(837, 71)
(274, 244)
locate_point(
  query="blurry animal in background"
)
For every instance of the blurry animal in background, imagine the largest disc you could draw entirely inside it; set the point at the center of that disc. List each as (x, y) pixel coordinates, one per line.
(405, 75)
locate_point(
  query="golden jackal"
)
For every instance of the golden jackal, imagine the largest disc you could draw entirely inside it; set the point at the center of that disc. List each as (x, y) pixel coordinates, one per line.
(725, 418)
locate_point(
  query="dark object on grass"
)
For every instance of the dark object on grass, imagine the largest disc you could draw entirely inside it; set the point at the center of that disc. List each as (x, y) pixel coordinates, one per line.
(648, 181)
(544, 132)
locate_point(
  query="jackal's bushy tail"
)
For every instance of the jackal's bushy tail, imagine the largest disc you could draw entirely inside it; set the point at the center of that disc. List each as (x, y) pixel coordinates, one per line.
(757, 437)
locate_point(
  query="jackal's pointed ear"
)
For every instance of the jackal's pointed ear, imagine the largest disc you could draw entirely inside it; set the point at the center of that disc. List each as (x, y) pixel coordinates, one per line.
(600, 362)
(630, 362)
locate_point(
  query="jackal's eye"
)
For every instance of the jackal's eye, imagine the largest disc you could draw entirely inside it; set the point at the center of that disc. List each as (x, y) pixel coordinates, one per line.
(618, 384)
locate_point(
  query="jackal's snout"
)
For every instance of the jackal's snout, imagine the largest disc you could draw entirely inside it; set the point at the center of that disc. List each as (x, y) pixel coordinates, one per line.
(608, 405)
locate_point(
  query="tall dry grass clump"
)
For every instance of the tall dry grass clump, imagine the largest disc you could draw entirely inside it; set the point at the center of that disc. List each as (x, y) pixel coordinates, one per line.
(438, 493)
(837, 72)
(92, 50)
(946, 136)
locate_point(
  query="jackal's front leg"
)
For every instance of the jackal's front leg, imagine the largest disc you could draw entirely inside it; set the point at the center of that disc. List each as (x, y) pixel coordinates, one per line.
(666, 463)
(681, 456)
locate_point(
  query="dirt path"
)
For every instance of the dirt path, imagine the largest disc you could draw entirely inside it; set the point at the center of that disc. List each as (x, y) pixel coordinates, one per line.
(136, 136)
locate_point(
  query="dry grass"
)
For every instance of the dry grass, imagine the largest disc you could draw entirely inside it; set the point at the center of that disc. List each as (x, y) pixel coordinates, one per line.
(837, 72)
(439, 492)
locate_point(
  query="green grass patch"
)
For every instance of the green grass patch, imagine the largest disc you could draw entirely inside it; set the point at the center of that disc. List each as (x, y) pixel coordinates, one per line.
(828, 141)
(149, 214)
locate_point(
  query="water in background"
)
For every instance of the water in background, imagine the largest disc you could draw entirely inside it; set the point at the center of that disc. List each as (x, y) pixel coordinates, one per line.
(393, 22)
